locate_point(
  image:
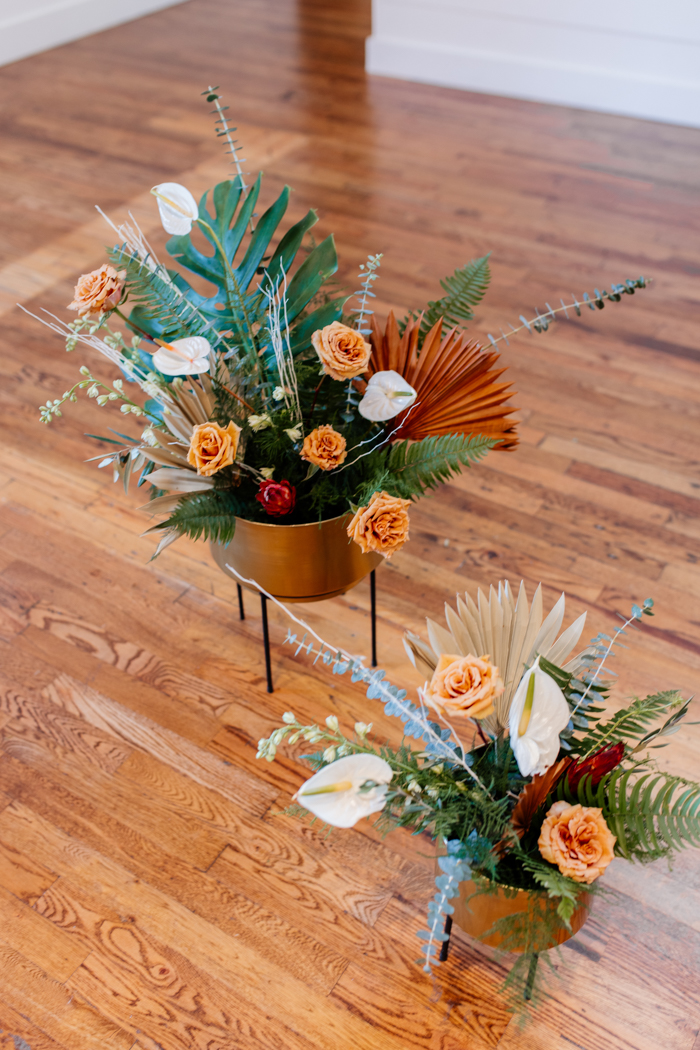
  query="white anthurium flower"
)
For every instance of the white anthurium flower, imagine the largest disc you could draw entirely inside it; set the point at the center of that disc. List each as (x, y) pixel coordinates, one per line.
(387, 394)
(178, 208)
(538, 714)
(183, 357)
(347, 790)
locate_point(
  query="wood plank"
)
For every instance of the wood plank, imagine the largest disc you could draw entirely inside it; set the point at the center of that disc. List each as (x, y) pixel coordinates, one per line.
(25, 930)
(226, 957)
(64, 1016)
(162, 743)
(36, 659)
(17, 1032)
(21, 714)
(165, 997)
(23, 877)
(128, 657)
(223, 932)
(96, 794)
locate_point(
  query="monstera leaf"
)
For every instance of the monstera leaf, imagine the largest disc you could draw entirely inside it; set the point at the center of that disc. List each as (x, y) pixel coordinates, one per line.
(239, 302)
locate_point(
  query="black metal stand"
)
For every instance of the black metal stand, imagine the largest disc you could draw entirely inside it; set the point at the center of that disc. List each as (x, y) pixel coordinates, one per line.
(373, 613)
(446, 944)
(266, 642)
(531, 976)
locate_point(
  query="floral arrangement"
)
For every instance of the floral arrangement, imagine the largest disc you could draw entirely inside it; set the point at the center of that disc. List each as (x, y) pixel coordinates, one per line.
(277, 399)
(520, 776)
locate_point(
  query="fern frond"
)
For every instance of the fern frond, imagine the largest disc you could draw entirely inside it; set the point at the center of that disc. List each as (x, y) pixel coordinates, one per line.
(650, 813)
(465, 289)
(160, 306)
(633, 722)
(418, 466)
(207, 515)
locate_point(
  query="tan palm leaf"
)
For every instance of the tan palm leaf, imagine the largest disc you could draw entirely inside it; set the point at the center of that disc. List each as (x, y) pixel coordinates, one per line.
(511, 632)
(454, 378)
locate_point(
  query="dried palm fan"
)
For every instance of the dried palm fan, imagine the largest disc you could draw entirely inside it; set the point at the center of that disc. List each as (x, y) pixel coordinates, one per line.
(190, 404)
(511, 632)
(453, 377)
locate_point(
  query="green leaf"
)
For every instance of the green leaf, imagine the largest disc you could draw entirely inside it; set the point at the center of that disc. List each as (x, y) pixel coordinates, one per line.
(421, 465)
(632, 722)
(160, 305)
(651, 813)
(464, 289)
(206, 515)
(319, 265)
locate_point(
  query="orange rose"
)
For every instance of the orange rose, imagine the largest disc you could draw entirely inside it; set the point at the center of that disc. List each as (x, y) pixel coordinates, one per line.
(99, 291)
(464, 685)
(213, 447)
(324, 447)
(382, 525)
(343, 352)
(577, 840)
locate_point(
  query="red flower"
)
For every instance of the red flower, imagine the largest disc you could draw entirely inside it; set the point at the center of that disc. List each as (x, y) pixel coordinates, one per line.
(277, 497)
(597, 765)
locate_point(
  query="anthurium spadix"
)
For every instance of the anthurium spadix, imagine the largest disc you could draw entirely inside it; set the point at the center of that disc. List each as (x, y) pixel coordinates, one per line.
(387, 394)
(538, 714)
(347, 790)
(183, 357)
(177, 207)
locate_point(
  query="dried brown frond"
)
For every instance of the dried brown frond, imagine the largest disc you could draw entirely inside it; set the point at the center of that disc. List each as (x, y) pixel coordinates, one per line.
(454, 378)
(532, 796)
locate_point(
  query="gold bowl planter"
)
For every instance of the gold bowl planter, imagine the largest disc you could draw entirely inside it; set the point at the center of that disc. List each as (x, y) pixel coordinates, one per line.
(479, 915)
(296, 563)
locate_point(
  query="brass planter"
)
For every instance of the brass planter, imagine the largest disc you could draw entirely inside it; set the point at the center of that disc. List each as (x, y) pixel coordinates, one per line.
(485, 909)
(296, 563)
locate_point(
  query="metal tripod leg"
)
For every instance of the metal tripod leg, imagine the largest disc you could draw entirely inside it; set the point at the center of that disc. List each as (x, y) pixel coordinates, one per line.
(373, 605)
(446, 944)
(266, 630)
(241, 607)
(266, 642)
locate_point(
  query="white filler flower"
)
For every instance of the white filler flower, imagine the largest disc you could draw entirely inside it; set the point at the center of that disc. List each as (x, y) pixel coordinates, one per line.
(387, 394)
(538, 714)
(183, 357)
(177, 207)
(347, 790)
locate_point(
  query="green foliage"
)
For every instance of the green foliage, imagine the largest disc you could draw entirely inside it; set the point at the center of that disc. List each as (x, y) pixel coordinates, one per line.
(159, 307)
(464, 289)
(632, 723)
(206, 515)
(415, 467)
(651, 813)
(235, 306)
(558, 887)
(410, 468)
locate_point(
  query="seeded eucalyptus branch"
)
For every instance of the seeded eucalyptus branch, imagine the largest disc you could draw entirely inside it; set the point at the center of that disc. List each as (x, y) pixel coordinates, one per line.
(542, 321)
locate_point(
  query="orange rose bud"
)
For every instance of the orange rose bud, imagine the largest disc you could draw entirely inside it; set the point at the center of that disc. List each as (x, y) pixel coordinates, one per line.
(465, 686)
(213, 447)
(577, 840)
(382, 525)
(342, 351)
(324, 447)
(98, 292)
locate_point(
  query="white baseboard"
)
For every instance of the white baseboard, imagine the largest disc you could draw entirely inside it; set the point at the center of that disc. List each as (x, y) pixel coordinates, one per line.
(539, 78)
(39, 26)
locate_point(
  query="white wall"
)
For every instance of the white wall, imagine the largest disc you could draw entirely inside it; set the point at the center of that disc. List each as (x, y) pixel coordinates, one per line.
(639, 57)
(29, 26)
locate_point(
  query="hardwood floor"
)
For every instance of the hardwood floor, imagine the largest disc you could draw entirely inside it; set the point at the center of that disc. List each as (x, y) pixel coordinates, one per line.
(153, 893)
